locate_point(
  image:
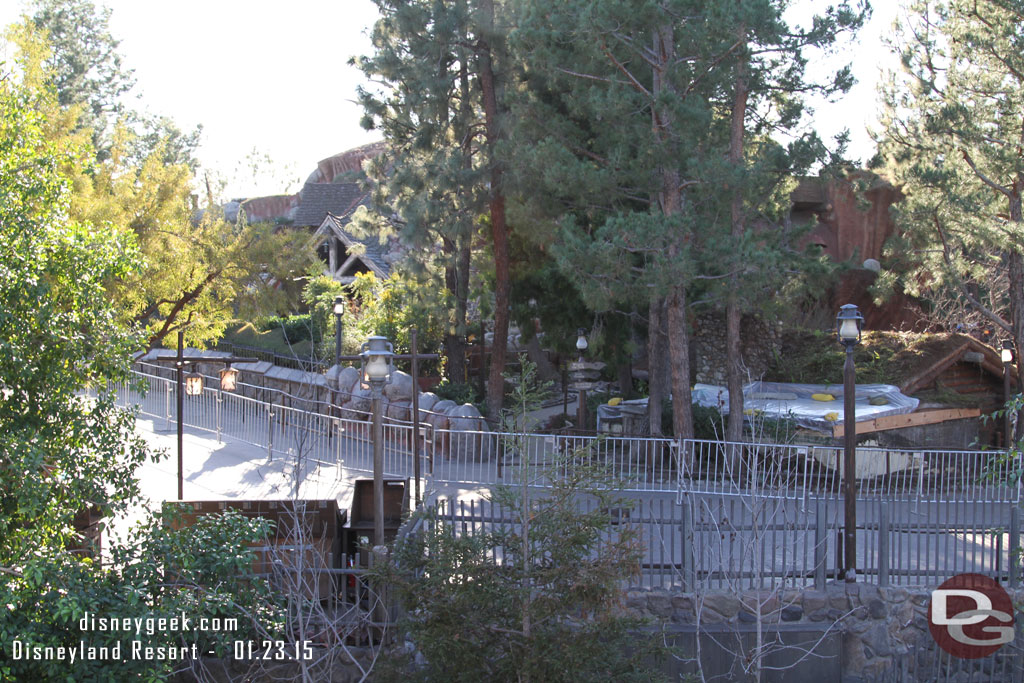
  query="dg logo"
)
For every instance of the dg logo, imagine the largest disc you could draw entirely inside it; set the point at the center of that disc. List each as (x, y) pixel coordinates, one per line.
(971, 616)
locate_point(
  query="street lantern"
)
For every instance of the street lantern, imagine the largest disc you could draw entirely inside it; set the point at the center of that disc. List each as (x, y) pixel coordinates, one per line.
(228, 379)
(581, 342)
(377, 358)
(378, 362)
(1006, 355)
(193, 384)
(339, 305)
(849, 322)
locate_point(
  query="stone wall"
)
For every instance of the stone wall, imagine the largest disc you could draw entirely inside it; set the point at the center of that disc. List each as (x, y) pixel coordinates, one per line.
(760, 343)
(869, 633)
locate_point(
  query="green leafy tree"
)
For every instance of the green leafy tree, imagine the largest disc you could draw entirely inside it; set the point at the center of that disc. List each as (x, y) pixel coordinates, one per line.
(550, 609)
(394, 306)
(65, 447)
(952, 143)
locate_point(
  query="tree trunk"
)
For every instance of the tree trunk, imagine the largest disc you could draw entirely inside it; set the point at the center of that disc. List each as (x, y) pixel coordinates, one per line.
(499, 227)
(656, 366)
(679, 354)
(455, 340)
(1016, 296)
(733, 318)
(671, 202)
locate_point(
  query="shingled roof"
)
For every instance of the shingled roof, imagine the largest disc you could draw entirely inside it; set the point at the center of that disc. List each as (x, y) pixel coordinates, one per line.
(316, 200)
(373, 254)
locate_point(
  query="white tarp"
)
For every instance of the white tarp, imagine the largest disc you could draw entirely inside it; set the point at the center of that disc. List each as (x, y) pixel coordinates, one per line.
(793, 401)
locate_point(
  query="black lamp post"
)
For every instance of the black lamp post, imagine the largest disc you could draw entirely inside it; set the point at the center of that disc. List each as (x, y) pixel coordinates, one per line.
(193, 386)
(339, 310)
(581, 409)
(378, 361)
(1006, 355)
(848, 328)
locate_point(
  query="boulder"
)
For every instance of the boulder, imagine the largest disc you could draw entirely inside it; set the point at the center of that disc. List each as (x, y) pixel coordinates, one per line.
(400, 387)
(345, 379)
(438, 417)
(428, 400)
(358, 406)
(465, 418)
(399, 410)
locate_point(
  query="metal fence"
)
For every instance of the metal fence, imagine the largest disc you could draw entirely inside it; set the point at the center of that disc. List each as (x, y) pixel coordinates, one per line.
(742, 543)
(743, 513)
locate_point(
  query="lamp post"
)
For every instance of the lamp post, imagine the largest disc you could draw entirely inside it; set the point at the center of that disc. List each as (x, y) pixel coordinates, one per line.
(1006, 355)
(581, 409)
(339, 310)
(848, 329)
(377, 358)
(193, 386)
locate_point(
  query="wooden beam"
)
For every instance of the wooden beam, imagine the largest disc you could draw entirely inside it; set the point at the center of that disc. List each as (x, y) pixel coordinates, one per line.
(924, 417)
(915, 383)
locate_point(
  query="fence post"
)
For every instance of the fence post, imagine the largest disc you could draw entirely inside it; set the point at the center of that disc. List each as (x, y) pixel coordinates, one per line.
(167, 404)
(686, 535)
(820, 539)
(220, 399)
(1014, 562)
(883, 544)
(270, 427)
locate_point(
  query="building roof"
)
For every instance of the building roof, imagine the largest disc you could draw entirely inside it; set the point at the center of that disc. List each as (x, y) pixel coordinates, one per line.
(316, 200)
(372, 253)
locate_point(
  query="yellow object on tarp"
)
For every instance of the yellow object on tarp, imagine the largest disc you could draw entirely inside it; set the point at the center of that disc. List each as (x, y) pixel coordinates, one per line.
(615, 401)
(823, 397)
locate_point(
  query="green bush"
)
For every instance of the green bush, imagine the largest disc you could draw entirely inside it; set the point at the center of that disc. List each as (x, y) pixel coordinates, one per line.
(296, 328)
(458, 392)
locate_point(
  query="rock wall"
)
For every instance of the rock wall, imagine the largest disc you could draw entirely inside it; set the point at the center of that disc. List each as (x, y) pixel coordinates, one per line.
(759, 343)
(877, 634)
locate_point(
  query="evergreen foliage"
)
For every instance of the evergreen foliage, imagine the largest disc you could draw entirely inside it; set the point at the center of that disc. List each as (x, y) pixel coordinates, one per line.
(550, 609)
(951, 141)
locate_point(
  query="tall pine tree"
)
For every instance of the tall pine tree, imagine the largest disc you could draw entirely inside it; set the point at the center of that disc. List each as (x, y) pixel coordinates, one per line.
(953, 142)
(440, 67)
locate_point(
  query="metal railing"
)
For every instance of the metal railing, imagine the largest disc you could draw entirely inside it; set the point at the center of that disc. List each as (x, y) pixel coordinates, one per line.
(743, 543)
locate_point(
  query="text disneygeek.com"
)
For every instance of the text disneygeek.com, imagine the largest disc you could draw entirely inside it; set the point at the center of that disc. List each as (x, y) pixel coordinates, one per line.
(132, 646)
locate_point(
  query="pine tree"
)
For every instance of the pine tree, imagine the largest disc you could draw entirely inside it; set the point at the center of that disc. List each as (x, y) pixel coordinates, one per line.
(952, 142)
(640, 116)
(440, 109)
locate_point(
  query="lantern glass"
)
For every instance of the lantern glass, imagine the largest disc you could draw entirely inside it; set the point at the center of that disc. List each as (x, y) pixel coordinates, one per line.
(339, 305)
(1006, 355)
(581, 340)
(228, 379)
(848, 324)
(376, 367)
(193, 384)
(848, 330)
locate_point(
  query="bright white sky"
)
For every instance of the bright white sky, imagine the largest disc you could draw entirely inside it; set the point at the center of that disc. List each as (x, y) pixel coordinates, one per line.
(270, 80)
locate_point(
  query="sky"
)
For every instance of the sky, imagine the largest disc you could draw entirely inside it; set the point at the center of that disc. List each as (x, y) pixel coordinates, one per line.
(270, 82)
